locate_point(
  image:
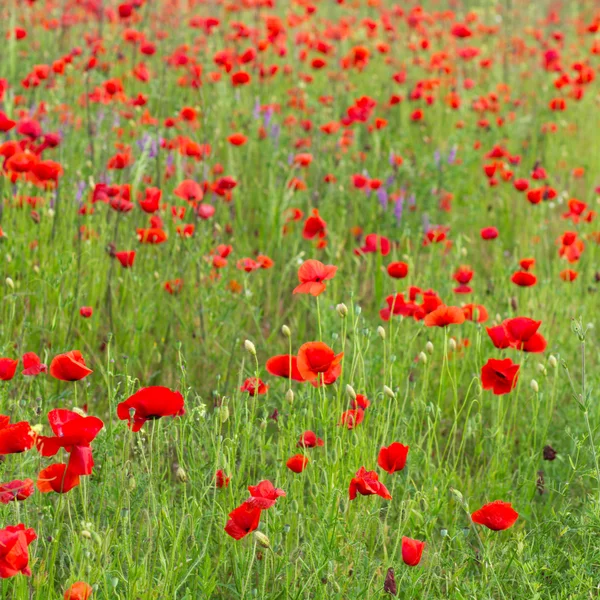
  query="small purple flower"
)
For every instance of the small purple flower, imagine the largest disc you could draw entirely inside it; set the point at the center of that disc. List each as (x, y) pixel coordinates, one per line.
(382, 196)
(437, 158)
(452, 154)
(268, 116)
(80, 189)
(426, 223)
(398, 207)
(389, 182)
(256, 110)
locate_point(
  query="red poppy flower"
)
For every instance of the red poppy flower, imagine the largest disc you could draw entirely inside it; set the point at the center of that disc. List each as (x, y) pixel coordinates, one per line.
(496, 516)
(8, 367)
(14, 555)
(15, 437)
(69, 366)
(367, 483)
(352, 418)
(237, 139)
(16, 490)
(150, 403)
(375, 243)
(489, 233)
(312, 274)
(475, 312)
(250, 386)
(393, 458)
(79, 591)
(189, 190)
(444, 316)
(314, 226)
(309, 440)
(153, 235)
(297, 463)
(74, 433)
(523, 278)
(569, 275)
(264, 494)
(361, 401)
(282, 365)
(412, 550)
(57, 478)
(500, 376)
(499, 336)
(126, 258)
(86, 312)
(397, 270)
(32, 365)
(315, 358)
(242, 521)
(221, 480)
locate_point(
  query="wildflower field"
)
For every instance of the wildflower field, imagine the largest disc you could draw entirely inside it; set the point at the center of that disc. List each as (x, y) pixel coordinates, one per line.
(299, 299)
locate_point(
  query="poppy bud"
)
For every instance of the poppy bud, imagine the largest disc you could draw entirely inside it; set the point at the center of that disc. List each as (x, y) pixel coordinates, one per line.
(429, 348)
(350, 391)
(452, 344)
(423, 357)
(540, 368)
(289, 397)
(223, 414)
(342, 310)
(552, 361)
(10, 283)
(79, 411)
(381, 332)
(180, 474)
(37, 428)
(86, 534)
(389, 392)
(262, 539)
(131, 482)
(250, 347)
(36, 269)
(286, 331)
(534, 386)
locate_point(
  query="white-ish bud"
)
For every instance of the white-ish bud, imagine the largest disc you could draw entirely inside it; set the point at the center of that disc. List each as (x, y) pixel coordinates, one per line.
(423, 357)
(452, 344)
(534, 386)
(350, 391)
(289, 396)
(381, 332)
(10, 283)
(262, 539)
(429, 348)
(389, 392)
(342, 310)
(250, 347)
(552, 361)
(286, 331)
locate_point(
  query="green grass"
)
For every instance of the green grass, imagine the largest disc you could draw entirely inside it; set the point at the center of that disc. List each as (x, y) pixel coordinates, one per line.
(148, 524)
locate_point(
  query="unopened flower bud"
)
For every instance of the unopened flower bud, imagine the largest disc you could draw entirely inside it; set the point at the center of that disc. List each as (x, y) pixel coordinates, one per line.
(452, 344)
(10, 283)
(86, 534)
(381, 332)
(286, 331)
(350, 391)
(540, 368)
(423, 357)
(250, 347)
(389, 392)
(181, 475)
(342, 310)
(262, 539)
(534, 386)
(552, 361)
(289, 396)
(429, 348)
(38, 428)
(223, 413)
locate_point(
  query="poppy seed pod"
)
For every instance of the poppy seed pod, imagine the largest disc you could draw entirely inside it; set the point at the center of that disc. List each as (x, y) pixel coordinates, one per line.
(342, 310)
(250, 347)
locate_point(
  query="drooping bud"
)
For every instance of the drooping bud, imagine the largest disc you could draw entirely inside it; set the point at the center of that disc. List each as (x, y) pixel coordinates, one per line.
(10, 283)
(286, 331)
(342, 310)
(389, 392)
(350, 391)
(250, 347)
(381, 332)
(262, 539)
